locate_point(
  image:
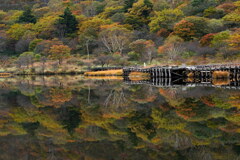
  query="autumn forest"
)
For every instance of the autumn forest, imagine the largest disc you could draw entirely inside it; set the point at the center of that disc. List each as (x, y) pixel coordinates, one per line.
(119, 79)
(73, 35)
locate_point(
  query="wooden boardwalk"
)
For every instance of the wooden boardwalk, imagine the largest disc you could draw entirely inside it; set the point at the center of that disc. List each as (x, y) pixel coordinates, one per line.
(199, 71)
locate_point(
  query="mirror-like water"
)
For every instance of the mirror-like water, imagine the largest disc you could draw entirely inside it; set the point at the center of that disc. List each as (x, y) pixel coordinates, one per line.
(72, 118)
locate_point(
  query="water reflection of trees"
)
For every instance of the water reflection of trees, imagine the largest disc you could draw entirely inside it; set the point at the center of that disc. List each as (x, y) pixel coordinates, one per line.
(138, 122)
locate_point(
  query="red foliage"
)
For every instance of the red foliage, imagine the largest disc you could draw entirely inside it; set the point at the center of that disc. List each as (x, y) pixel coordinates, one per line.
(163, 33)
(208, 102)
(185, 30)
(227, 7)
(206, 40)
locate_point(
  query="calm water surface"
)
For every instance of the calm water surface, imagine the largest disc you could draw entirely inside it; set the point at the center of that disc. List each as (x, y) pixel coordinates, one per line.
(72, 118)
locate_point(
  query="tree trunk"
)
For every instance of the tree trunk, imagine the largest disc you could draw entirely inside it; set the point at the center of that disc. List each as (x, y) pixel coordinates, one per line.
(87, 45)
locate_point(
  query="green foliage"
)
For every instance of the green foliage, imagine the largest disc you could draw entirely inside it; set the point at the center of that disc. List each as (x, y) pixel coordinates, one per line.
(71, 119)
(185, 30)
(34, 43)
(233, 16)
(27, 17)
(215, 25)
(133, 56)
(212, 12)
(165, 19)
(80, 26)
(200, 25)
(138, 15)
(128, 4)
(17, 31)
(45, 27)
(2, 14)
(220, 38)
(67, 22)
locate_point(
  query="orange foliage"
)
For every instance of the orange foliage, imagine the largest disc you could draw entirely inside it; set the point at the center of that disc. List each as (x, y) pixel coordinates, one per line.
(227, 7)
(59, 52)
(163, 33)
(60, 96)
(207, 101)
(184, 29)
(108, 26)
(206, 40)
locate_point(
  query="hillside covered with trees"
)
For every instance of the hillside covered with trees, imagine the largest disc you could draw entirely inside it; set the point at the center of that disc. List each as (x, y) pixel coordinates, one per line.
(46, 34)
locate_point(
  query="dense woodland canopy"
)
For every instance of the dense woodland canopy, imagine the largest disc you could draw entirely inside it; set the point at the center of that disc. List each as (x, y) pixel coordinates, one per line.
(119, 32)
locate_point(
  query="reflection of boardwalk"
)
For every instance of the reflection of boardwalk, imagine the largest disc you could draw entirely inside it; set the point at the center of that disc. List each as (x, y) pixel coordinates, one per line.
(5, 75)
(169, 82)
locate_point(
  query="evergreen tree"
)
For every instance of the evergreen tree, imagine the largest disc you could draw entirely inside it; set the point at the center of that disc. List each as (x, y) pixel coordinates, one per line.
(27, 17)
(67, 23)
(128, 4)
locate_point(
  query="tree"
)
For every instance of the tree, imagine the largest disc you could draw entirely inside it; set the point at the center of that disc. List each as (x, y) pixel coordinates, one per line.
(103, 59)
(206, 40)
(59, 52)
(128, 4)
(45, 27)
(219, 39)
(165, 19)
(138, 15)
(86, 39)
(26, 59)
(141, 8)
(17, 31)
(115, 38)
(43, 60)
(33, 44)
(213, 12)
(150, 50)
(146, 49)
(43, 47)
(67, 23)
(4, 60)
(233, 17)
(227, 7)
(27, 17)
(185, 30)
(234, 41)
(200, 25)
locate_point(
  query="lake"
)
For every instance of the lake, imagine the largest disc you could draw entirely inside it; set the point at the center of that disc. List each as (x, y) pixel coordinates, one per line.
(77, 118)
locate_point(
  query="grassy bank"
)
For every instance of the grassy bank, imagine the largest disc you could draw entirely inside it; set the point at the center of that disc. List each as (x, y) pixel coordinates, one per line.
(118, 72)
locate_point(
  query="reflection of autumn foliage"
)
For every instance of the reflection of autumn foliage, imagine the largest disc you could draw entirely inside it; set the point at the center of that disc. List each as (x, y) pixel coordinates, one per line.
(59, 95)
(167, 92)
(234, 100)
(230, 128)
(150, 98)
(186, 110)
(208, 101)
